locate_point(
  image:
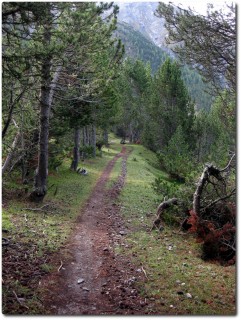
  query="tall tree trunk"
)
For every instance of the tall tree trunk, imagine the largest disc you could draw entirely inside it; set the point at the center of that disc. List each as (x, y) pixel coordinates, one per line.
(130, 133)
(84, 136)
(40, 181)
(93, 139)
(88, 135)
(23, 162)
(76, 152)
(105, 137)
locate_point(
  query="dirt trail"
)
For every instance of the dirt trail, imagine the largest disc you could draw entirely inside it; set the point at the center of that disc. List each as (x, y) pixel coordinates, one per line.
(106, 281)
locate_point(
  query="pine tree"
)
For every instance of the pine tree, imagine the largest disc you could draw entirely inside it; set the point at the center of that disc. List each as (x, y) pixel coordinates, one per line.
(51, 48)
(171, 104)
(177, 158)
(207, 43)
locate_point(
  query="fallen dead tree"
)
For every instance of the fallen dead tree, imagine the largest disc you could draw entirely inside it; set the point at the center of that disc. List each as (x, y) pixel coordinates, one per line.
(213, 214)
(214, 176)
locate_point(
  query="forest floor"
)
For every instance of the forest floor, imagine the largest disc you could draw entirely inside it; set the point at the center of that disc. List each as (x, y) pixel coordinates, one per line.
(89, 248)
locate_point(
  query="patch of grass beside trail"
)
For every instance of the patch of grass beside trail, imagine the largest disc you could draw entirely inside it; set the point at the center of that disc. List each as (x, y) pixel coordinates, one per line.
(35, 232)
(114, 174)
(178, 281)
(116, 148)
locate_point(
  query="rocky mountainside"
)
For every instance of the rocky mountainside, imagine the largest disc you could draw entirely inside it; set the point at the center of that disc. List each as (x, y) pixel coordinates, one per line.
(137, 46)
(140, 15)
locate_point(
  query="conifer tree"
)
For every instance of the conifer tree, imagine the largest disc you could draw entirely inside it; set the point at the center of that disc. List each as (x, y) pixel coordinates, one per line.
(207, 43)
(171, 104)
(48, 47)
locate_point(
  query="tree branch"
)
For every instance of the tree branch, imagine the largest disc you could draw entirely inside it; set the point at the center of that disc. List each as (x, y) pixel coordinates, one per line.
(220, 199)
(11, 112)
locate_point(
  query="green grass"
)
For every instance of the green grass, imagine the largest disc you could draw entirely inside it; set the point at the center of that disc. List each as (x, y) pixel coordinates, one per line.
(6, 222)
(52, 221)
(211, 286)
(114, 174)
(68, 191)
(39, 233)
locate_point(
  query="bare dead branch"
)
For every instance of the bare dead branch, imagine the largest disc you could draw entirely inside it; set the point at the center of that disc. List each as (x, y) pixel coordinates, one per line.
(144, 272)
(220, 199)
(11, 107)
(19, 301)
(209, 171)
(61, 265)
(229, 245)
(229, 164)
(162, 207)
(42, 209)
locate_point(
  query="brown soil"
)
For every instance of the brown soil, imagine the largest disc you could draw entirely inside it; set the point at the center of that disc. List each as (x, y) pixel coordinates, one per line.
(107, 281)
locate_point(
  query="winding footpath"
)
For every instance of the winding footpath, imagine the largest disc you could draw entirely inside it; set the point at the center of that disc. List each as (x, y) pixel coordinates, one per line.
(94, 280)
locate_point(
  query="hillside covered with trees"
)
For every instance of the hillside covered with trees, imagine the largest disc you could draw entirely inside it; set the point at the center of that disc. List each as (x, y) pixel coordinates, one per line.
(137, 46)
(109, 147)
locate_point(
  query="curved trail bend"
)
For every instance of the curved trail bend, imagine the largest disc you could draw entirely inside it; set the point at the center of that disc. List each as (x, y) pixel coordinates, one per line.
(106, 281)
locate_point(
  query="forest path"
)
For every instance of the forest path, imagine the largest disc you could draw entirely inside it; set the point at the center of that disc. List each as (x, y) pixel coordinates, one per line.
(94, 280)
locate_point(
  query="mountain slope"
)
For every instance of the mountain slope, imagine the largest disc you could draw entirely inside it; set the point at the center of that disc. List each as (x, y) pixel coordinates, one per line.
(140, 15)
(137, 46)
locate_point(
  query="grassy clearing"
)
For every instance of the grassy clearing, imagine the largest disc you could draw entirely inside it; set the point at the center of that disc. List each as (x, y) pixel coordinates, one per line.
(178, 281)
(35, 232)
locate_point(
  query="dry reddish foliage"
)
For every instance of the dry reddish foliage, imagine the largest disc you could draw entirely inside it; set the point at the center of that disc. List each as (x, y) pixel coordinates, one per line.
(216, 232)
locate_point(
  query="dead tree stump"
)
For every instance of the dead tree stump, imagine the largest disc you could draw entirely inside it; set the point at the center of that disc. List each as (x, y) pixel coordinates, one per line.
(161, 208)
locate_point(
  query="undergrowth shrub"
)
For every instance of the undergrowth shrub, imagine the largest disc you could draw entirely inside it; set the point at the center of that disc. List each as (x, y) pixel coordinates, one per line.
(173, 216)
(86, 151)
(56, 154)
(164, 188)
(176, 215)
(100, 143)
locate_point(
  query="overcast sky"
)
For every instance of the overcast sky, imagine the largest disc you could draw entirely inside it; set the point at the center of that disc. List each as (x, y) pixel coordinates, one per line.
(201, 5)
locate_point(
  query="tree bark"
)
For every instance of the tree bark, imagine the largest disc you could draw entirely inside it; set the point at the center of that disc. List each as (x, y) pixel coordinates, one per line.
(162, 207)
(208, 171)
(11, 153)
(23, 162)
(93, 139)
(198, 192)
(40, 181)
(105, 137)
(88, 134)
(130, 133)
(76, 151)
(84, 136)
